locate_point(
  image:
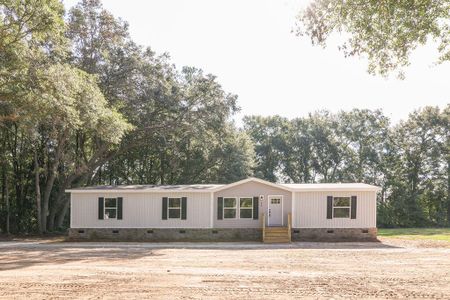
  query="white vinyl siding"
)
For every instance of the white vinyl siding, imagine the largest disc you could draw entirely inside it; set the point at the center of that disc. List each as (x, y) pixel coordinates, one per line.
(140, 210)
(144, 209)
(247, 190)
(310, 210)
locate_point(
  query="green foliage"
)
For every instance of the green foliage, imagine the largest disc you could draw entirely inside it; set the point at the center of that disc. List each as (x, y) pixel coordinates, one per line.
(82, 104)
(386, 32)
(437, 234)
(410, 161)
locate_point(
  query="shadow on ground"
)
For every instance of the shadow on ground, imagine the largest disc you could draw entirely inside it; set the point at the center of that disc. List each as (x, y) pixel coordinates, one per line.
(24, 257)
(22, 254)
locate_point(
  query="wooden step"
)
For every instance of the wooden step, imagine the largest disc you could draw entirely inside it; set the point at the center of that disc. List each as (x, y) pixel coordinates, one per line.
(280, 230)
(277, 240)
(284, 241)
(276, 235)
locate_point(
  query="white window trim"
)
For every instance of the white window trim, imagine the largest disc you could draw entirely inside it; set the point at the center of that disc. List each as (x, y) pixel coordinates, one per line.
(235, 207)
(349, 207)
(169, 208)
(282, 208)
(246, 208)
(104, 208)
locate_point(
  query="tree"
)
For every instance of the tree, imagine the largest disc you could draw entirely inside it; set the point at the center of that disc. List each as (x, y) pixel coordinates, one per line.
(386, 32)
(70, 102)
(267, 136)
(45, 102)
(416, 184)
(30, 35)
(410, 161)
(365, 133)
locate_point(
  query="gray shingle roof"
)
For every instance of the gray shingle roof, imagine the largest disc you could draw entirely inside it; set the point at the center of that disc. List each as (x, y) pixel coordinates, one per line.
(214, 187)
(150, 187)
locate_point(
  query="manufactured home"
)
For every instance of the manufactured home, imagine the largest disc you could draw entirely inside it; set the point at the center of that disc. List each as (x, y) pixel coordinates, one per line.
(250, 209)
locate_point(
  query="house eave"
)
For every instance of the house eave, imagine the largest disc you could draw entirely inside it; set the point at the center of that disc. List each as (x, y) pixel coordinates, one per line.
(135, 191)
(252, 179)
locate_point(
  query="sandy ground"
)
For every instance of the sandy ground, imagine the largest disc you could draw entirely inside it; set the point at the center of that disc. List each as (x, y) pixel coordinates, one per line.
(392, 269)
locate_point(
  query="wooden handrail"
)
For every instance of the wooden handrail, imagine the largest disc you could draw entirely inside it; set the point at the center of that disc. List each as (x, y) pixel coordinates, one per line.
(263, 225)
(289, 225)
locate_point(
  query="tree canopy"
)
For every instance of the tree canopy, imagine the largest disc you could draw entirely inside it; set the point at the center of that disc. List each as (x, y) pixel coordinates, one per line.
(82, 104)
(385, 32)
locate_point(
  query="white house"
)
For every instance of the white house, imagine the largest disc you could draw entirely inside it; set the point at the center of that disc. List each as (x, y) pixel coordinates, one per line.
(250, 209)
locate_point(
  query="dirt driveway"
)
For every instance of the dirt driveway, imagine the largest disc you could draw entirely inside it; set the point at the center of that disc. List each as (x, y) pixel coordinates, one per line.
(393, 269)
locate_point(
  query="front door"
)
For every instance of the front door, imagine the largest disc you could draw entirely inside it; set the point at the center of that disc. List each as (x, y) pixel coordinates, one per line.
(275, 211)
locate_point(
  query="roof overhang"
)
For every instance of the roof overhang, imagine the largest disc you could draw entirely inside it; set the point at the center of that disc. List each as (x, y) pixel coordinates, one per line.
(136, 191)
(253, 179)
(337, 189)
(90, 191)
(311, 188)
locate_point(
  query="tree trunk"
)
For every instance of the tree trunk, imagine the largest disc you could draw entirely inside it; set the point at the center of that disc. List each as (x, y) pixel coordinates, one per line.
(62, 215)
(448, 191)
(38, 192)
(51, 180)
(7, 207)
(3, 186)
(56, 207)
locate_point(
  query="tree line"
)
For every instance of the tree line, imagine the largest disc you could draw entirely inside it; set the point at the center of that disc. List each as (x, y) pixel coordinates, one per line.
(410, 161)
(82, 104)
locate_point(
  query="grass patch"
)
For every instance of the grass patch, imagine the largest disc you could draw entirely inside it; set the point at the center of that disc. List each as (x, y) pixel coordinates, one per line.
(437, 234)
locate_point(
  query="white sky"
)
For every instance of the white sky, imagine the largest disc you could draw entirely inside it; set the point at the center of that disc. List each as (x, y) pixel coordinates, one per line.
(250, 47)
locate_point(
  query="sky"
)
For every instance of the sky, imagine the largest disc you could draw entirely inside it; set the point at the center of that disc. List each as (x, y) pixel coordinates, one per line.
(249, 45)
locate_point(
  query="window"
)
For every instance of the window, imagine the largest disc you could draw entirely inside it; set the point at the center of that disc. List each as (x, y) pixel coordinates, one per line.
(229, 208)
(275, 201)
(246, 208)
(174, 208)
(341, 207)
(110, 208)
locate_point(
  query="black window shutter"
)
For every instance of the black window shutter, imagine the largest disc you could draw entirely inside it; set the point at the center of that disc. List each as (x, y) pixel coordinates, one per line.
(255, 207)
(164, 208)
(183, 208)
(220, 208)
(101, 213)
(353, 210)
(329, 207)
(119, 208)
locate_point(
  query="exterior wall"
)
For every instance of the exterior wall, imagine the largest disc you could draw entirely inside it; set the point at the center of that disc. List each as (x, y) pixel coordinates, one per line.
(310, 210)
(250, 189)
(142, 216)
(166, 234)
(140, 210)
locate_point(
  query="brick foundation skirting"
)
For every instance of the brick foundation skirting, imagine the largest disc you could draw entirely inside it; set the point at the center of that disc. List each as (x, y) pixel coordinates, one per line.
(334, 234)
(218, 234)
(167, 234)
